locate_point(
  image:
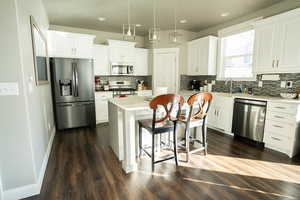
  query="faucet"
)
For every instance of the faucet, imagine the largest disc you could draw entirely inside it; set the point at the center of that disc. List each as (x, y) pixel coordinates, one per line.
(231, 84)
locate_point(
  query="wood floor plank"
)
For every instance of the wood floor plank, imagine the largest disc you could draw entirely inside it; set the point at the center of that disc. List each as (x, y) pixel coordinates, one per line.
(82, 166)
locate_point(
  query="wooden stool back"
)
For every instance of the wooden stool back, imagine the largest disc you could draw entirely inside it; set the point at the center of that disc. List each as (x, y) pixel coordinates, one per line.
(169, 102)
(203, 100)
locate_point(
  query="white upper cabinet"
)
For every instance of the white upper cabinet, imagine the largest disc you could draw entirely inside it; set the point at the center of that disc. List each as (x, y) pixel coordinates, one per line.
(141, 62)
(202, 55)
(70, 45)
(121, 51)
(289, 49)
(277, 45)
(101, 63)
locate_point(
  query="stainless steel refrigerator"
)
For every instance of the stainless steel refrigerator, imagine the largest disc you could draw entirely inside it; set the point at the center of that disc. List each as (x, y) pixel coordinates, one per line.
(73, 92)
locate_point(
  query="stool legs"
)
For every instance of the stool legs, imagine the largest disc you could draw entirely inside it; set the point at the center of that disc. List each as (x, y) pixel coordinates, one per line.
(204, 140)
(140, 140)
(175, 144)
(153, 152)
(187, 143)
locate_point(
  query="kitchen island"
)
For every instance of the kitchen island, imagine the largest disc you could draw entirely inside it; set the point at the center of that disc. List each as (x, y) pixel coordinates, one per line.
(123, 115)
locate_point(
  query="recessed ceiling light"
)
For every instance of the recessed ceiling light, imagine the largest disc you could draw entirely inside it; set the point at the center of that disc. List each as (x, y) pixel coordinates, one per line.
(138, 25)
(183, 21)
(101, 19)
(225, 14)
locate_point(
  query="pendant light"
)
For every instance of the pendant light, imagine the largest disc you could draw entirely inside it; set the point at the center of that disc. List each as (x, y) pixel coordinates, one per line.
(128, 29)
(174, 36)
(154, 31)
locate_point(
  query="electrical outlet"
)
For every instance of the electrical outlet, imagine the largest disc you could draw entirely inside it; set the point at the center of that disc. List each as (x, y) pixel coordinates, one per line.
(213, 82)
(260, 83)
(289, 84)
(282, 84)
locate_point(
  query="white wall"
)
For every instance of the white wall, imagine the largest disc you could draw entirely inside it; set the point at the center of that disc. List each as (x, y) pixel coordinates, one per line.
(266, 12)
(165, 43)
(101, 36)
(24, 118)
(17, 168)
(39, 99)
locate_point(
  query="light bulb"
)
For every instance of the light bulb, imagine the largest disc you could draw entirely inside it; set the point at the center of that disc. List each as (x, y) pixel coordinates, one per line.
(154, 37)
(175, 39)
(129, 32)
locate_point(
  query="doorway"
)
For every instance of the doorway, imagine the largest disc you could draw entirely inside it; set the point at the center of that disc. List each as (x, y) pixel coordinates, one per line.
(165, 69)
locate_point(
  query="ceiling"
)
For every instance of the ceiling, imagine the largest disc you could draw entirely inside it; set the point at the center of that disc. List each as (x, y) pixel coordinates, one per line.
(199, 14)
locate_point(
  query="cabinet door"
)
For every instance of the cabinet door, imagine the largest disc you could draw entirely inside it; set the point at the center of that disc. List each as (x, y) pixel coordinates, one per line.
(58, 44)
(141, 62)
(82, 47)
(289, 55)
(202, 57)
(101, 64)
(265, 49)
(101, 111)
(192, 58)
(224, 113)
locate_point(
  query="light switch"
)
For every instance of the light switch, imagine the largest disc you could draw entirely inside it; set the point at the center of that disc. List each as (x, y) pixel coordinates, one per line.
(9, 88)
(260, 83)
(282, 84)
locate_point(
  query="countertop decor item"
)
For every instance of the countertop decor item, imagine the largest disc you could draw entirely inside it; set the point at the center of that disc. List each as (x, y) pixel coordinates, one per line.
(288, 95)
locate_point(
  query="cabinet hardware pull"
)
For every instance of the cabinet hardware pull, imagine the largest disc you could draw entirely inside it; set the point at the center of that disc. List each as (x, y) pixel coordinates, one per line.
(274, 138)
(273, 63)
(278, 117)
(277, 126)
(279, 107)
(277, 63)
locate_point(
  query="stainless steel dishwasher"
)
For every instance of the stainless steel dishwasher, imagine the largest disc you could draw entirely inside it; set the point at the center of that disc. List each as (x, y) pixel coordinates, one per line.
(249, 119)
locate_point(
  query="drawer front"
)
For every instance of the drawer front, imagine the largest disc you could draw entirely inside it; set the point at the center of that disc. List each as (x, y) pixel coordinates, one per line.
(280, 129)
(279, 142)
(282, 108)
(103, 95)
(281, 117)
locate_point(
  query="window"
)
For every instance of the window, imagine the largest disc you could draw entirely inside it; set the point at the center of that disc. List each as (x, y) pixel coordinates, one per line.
(236, 52)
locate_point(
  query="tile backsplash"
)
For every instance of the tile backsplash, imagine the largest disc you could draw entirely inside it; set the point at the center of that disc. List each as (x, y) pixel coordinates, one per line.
(270, 88)
(147, 79)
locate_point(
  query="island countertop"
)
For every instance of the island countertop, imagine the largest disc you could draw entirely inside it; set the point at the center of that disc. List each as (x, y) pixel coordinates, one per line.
(131, 103)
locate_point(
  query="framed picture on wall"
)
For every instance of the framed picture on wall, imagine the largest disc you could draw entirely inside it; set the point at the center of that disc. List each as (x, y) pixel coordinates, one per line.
(40, 54)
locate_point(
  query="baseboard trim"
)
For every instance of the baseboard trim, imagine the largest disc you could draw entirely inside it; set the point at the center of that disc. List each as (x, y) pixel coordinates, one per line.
(32, 189)
(46, 158)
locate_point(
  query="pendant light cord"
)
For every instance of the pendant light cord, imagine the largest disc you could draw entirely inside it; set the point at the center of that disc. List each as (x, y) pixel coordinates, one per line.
(128, 14)
(154, 13)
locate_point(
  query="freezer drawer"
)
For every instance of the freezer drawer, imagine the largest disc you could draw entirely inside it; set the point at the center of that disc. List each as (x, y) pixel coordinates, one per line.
(72, 115)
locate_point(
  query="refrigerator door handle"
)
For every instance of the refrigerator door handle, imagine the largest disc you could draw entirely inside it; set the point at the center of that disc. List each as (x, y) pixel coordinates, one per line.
(76, 78)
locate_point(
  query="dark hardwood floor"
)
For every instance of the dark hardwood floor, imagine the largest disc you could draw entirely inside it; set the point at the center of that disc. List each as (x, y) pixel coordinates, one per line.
(82, 166)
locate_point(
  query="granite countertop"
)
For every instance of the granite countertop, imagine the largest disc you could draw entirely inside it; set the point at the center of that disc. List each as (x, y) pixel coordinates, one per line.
(245, 96)
(131, 103)
(135, 103)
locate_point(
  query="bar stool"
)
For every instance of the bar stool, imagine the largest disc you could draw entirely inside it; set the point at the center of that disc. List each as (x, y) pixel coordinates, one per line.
(172, 104)
(196, 117)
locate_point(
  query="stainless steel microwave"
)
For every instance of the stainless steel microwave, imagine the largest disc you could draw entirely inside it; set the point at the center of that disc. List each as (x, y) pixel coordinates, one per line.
(122, 69)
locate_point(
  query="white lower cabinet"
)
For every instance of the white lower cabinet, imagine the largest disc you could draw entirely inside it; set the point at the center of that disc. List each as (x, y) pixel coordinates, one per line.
(281, 128)
(101, 101)
(220, 113)
(144, 93)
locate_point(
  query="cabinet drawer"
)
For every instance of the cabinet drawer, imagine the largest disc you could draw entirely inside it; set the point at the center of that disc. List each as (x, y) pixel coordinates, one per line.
(280, 129)
(279, 142)
(281, 117)
(103, 95)
(282, 108)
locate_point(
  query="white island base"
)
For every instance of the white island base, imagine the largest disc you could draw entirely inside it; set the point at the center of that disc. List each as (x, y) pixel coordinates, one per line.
(123, 129)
